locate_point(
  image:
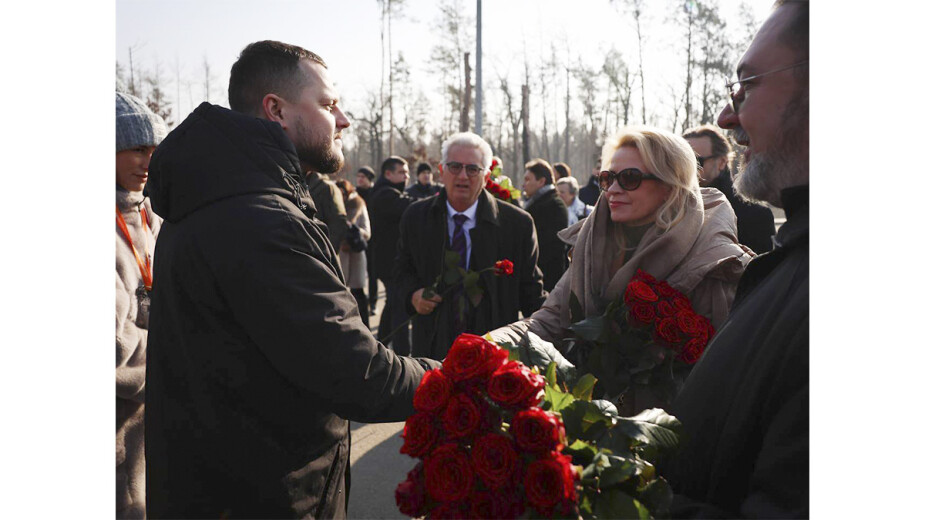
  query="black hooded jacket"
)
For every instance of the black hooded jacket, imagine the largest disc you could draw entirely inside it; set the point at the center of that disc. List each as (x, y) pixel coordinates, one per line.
(257, 355)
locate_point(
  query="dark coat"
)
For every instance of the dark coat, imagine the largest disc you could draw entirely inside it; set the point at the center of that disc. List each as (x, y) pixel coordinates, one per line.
(589, 193)
(387, 206)
(745, 406)
(419, 191)
(754, 222)
(257, 355)
(501, 231)
(550, 215)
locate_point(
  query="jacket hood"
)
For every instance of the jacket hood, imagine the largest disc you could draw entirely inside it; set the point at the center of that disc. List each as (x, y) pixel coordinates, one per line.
(218, 153)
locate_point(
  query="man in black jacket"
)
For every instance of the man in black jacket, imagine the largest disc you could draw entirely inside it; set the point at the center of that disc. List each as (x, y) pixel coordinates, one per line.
(755, 223)
(550, 215)
(425, 186)
(590, 192)
(482, 230)
(385, 210)
(365, 178)
(257, 355)
(745, 406)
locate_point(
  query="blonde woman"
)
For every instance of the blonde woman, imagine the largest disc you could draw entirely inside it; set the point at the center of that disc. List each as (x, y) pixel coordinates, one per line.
(652, 215)
(352, 262)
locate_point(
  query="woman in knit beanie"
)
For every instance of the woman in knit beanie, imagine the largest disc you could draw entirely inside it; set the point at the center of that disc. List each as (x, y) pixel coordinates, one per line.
(138, 131)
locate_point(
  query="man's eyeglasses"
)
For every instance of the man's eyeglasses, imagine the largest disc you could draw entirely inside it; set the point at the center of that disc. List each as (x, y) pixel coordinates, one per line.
(701, 160)
(471, 169)
(735, 86)
(628, 179)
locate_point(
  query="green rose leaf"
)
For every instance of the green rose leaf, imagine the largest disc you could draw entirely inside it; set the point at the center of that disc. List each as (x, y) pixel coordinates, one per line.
(657, 497)
(557, 399)
(551, 374)
(614, 503)
(619, 471)
(584, 387)
(654, 427)
(592, 329)
(452, 260)
(582, 453)
(451, 276)
(583, 420)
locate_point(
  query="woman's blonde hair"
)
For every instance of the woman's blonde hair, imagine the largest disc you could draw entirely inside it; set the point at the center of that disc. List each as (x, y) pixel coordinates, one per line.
(668, 157)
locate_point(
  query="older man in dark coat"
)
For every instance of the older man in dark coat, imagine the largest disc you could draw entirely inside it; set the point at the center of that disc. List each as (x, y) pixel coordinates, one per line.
(745, 406)
(481, 230)
(257, 355)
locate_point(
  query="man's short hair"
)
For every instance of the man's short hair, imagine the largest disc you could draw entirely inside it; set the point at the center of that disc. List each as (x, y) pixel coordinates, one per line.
(424, 167)
(719, 145)
(570, 182)
(467, 139)
(367, 172)
(562, 169)
(391, 163)
(267, 67)
(540, 169)
(796, 34)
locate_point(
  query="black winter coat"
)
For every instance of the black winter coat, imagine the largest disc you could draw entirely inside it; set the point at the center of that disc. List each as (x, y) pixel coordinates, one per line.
(745, 406)
(754, 222)
(590, 192)
(502, 231)
(550, 215)
(387, 206)
(257, 355)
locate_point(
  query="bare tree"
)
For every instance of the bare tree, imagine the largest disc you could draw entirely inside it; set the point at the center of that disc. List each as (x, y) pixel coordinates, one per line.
(514, 120)
(634, 8)
(525, 117)
(467, 96)
(121, 85)
(446, 59)
(207, 78)
(157, 98)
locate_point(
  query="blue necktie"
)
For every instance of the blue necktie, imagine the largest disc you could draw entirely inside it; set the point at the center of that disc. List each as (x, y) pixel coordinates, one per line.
(458, 244)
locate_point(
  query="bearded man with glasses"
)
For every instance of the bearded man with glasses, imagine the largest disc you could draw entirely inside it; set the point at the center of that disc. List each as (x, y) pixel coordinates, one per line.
(745, 407)
(465, 219)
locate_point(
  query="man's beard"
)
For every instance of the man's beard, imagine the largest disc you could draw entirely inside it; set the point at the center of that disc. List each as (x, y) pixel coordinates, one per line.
(316, 152)
(766, 174)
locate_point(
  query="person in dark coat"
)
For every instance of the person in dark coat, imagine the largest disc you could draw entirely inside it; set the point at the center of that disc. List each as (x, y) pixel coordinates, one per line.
(550, 215)
(590, 192)
(257, 356)
(388, 204)
(490, 230)
(755, 222)
(364, 187)
(425, 186)
(745, 406)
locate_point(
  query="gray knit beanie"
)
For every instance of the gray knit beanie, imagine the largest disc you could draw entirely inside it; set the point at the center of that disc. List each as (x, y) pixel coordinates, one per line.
(136, 124)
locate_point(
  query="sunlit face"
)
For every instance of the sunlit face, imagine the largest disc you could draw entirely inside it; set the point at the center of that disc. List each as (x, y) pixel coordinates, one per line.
(363, 181)
(636, 207)
(398, 175)
(314, 121)
(531, 183)
(565, 194)
(703, 147)
(461, 190)
(132, 167)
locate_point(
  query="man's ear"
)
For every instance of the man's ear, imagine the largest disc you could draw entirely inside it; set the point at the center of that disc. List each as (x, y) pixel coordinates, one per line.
(272, 107)
(722, 162)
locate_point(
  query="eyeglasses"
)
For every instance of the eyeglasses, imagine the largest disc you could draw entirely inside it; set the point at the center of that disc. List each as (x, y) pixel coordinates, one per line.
(628, 179)
(471, 169)
(701, 160)
(735, 86)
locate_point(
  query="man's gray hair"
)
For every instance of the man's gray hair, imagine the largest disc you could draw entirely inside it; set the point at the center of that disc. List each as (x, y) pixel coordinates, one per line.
(571, 182)
(467, 139)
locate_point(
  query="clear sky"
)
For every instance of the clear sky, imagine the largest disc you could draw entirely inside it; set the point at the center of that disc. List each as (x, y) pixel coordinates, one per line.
(346, 34)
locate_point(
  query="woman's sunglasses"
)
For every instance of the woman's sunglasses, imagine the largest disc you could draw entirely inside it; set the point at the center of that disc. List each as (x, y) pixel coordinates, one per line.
(628, 179)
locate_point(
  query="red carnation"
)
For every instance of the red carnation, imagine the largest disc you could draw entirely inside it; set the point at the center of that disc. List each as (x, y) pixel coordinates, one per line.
(504, 267)
(666, 329)
(644, 277)
(641, 314)
(514, 385)
(537, 430)
(639, 292)
(433, 392)
(550, 485)
(495, 460)
(419, 434)
(409, 495)
(448, 475)
(471, 357)
(461, 417)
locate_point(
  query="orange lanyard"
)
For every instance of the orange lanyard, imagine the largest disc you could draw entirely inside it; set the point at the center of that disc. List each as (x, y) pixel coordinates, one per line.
(144, 266)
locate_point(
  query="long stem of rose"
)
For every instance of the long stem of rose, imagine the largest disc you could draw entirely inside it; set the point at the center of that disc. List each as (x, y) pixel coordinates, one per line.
(444, 293)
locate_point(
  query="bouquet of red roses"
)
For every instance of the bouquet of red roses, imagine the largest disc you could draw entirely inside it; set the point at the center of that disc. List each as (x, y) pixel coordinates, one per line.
(499, 184)
(649, 337)
(492, 437)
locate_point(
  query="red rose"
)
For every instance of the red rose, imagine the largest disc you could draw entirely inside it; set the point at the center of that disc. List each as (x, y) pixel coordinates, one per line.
(409, 495)
(688, 322)
(505, 193)
(514, 385)
(692, 351)
(666, 329)
(433, 392)
(420, 433)
(504, 267)
(550, 485)
(461, 417)
(641, 314)
(681, 302)
(706, 328)
(471, 357)
(496, 504)
(664, 290)
(453, 511)
(639, 292)
(644, 277)
(447, 473)
(537, 430)
(495, 460)
(665, 309)
(494, 163)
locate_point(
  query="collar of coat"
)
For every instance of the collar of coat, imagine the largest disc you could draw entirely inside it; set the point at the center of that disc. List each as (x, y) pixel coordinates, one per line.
(487, 211)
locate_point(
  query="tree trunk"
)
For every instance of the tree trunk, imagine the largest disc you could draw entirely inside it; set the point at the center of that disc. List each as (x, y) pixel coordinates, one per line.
(467, 97)
(525, 116)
